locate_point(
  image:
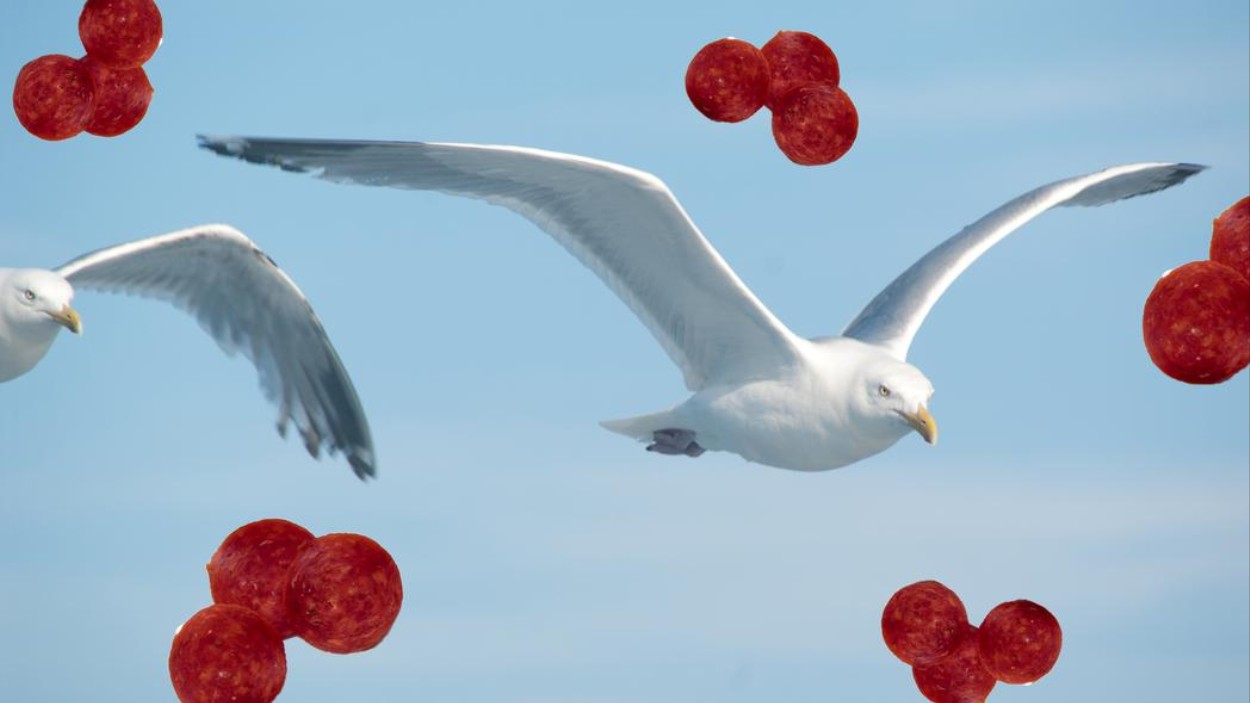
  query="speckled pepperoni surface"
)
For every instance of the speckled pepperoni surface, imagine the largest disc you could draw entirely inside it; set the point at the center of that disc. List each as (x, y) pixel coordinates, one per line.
(815, 124)
(122, 96)
(958, 677)
(344, 593)
(251, 568)
(727, 80)
(120, 33)
(1196, 323)
(227, 653)
(1019, 641)
(1230, 237)
(923, 621)
(53, 97)
(796, 58)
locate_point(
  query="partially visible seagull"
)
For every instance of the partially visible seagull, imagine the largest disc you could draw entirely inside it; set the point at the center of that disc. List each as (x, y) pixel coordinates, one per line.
(240, 297)
(759, 390)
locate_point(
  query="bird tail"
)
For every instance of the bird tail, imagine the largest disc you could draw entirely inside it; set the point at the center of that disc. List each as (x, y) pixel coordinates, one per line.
(641, 427)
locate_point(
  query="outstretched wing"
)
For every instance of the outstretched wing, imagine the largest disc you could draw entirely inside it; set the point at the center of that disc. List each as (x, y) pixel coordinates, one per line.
(893, 317)
(624, 224)
(247, 304)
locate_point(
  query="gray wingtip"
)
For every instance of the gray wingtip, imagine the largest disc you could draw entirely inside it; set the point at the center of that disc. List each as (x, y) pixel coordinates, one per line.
(240, 148)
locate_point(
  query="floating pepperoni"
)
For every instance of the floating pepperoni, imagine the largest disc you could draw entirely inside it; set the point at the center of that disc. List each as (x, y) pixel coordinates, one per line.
(1230, 237)
(122, 96)
(815, 124)
(227, 653)
(1019, 641)
(958, 677)
(344, 593)
(1196, 323)
(120, 33)
(52, 97)
(796, 58)
(727, 80)
(923, 622)
(252, 566)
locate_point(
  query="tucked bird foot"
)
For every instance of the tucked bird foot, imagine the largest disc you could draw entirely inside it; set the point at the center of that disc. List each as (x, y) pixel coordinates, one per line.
(674, 442)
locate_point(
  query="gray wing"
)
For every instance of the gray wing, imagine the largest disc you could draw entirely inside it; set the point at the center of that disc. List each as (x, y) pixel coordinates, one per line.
(241, 298)
(893, 317)
(623, 224)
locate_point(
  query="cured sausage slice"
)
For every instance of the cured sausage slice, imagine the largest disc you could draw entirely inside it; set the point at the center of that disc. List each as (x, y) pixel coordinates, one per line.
(923, 622)
(1019, 641)
(227, 653)
(1196, 323)
(727, 80)
(344, 593)
(251, 568)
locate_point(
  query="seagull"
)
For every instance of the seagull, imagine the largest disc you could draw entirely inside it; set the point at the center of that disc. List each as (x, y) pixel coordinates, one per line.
(240, 297)
(757, 389)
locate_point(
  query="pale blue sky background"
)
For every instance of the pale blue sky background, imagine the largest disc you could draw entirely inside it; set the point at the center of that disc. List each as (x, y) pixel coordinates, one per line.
(544, 558)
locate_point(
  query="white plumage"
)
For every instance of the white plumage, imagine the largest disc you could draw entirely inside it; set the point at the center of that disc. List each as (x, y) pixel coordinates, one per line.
(759, 390)
(238, 295)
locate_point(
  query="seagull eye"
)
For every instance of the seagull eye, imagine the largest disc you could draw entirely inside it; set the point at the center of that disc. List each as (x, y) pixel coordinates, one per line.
(29, 294)
(885, 392)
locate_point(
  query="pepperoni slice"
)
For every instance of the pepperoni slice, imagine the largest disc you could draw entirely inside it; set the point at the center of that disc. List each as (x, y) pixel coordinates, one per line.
(1196, 323)
(1019, 641)
(923, 622)
(344, 593)
(227, 653)
(958, 677)
(120, 33)
(1230, 237)
(122, 96)
(251, 568)
(796, 58)
(727, 80)
(53, 97)
(815, 124)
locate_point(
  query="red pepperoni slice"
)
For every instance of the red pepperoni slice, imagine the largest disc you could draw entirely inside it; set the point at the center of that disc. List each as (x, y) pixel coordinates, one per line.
(1196, 323)
(796, 58)
(344, 593)
(923, 621)
(815, 124)
(727, 80)
(1230, 237)
(53, 97)
(1019, 641)
(120, 33)
(227, 653)
(251, 568)
(122, 96)
(958, 677)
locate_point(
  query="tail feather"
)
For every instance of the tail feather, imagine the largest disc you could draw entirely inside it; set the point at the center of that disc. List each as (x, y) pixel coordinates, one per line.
(640, 427)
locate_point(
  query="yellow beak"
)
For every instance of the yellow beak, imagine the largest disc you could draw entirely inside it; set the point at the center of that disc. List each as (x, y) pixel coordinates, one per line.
(69, 318)
(923, 423)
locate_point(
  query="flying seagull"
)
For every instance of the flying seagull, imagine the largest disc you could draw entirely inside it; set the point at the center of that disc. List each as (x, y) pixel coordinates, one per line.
(758, 389)
(240, 297)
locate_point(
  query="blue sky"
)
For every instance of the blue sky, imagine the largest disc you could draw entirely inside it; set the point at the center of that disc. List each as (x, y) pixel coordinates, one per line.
(544, 558)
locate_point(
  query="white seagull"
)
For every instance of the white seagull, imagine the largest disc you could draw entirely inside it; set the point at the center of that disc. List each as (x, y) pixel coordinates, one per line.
(759, 390)
(240, 297)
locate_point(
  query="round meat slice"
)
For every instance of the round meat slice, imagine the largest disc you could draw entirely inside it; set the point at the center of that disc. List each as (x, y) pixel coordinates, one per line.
(727, 80)
(120, 33)
(796, 58)
(1230, 237)
(815, 124)
(958, 677)
(122, 96)
(923, 622)
(252, 566)
(53, 97)
(344, 593)
(1196, 323)
(1019, 641)
(227, 653)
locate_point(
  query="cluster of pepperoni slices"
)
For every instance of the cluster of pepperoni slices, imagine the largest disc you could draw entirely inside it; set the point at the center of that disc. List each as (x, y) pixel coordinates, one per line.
(795, 75)
(1196, 322)
(272, 580)
(106, 92)
(926, 626)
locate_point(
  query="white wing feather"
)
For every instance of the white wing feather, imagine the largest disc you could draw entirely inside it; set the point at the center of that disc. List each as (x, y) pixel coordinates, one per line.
(624, 224)
(893, 317)
(247, 304)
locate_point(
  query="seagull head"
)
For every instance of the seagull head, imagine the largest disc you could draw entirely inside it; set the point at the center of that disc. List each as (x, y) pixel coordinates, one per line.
(41, 299)
(899, 393)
